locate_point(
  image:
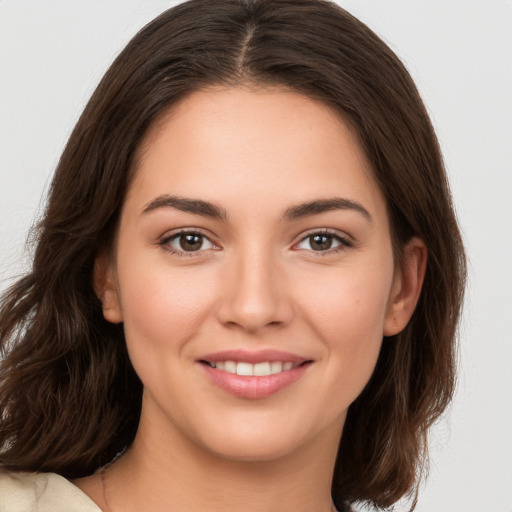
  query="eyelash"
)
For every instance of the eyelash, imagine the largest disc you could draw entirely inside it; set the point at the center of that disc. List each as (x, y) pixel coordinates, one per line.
(344, 243)
(164, 243)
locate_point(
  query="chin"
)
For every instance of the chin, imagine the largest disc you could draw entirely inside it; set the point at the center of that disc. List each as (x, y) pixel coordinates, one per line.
(265, 441)
(241, 450)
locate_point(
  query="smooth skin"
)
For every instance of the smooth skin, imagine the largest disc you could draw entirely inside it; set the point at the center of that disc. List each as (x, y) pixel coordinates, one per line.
(256, 272)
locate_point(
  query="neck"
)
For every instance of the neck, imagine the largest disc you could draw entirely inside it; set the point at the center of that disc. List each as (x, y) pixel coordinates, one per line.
(170, 472)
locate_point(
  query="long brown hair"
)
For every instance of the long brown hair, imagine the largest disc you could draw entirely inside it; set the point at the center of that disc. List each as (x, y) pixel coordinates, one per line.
(69, 397)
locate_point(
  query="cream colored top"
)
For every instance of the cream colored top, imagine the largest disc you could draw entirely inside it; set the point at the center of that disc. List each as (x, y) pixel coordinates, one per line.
(42, 492)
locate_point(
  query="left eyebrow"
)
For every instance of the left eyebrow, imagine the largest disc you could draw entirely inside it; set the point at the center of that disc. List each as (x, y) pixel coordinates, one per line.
(184, 204)
(325, 205)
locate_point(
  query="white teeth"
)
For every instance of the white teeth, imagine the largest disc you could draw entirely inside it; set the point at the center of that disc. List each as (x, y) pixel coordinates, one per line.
(247, 369)
(262, 369)
(230, 366)
(276, 367)
(244, 369)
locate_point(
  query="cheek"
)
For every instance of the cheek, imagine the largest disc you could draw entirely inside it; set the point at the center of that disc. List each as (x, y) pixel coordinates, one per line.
(348, 316)
(162, 306)
(350, 306)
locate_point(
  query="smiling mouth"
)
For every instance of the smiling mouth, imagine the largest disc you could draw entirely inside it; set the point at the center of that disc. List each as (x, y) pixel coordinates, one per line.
(254, 374)
(247, 369)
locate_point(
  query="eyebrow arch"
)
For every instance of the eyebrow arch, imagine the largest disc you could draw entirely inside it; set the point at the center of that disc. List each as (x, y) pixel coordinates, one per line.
(325, 205)
(196, 206)
(207, 209)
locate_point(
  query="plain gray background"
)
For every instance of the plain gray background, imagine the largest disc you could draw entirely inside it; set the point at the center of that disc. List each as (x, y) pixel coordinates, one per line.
(52, 54)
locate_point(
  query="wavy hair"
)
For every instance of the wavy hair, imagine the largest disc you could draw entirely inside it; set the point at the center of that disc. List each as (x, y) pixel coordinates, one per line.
(69, 397)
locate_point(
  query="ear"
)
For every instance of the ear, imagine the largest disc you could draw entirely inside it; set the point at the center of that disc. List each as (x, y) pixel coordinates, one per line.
(104, 284)
(406, 287)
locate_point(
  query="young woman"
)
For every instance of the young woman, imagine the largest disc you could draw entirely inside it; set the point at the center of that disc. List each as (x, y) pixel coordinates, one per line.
(247, 281)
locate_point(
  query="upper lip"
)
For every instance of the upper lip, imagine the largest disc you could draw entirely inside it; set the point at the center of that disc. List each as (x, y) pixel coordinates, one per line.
(254, 357)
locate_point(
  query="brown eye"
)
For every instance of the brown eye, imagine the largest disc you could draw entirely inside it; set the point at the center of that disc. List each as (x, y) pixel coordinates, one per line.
(187, 242)
(191, 242)
(320, 242)
(324, 242)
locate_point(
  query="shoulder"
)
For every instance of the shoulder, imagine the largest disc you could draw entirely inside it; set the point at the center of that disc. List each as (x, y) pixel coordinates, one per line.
(41, 492)
(346, 507)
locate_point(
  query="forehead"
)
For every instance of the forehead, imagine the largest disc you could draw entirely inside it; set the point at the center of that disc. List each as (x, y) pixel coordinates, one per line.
(228, 143)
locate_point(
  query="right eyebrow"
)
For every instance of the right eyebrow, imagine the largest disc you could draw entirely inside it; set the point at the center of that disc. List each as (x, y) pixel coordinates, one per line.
(184, 204)
(325, 205)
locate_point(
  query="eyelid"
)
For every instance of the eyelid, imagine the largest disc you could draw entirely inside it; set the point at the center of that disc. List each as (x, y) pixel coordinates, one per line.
(345, 241)
(164, 240)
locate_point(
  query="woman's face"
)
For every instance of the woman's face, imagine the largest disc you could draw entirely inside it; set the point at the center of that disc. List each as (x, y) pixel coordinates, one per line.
(253, 272)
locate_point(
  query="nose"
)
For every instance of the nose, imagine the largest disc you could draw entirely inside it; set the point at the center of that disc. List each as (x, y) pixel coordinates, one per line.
(254, 294)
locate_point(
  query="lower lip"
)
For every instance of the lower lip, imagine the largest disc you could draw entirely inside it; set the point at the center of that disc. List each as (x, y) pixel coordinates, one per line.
(252, 386)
